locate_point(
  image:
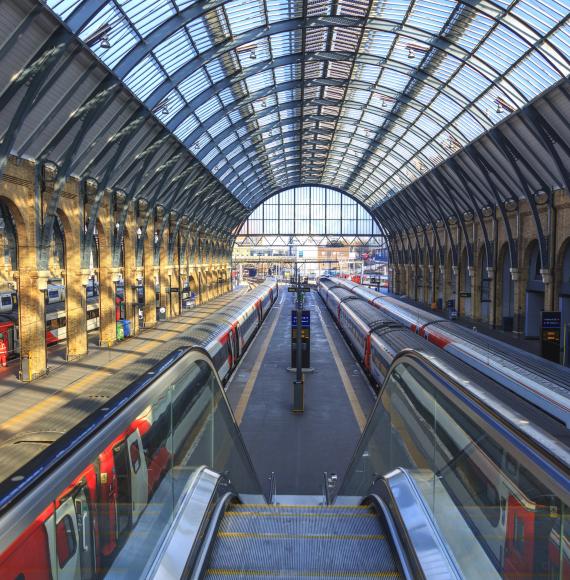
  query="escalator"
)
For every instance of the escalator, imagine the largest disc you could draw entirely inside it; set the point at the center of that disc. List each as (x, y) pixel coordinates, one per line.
(268, 541)
(448, 480)
(354, 538)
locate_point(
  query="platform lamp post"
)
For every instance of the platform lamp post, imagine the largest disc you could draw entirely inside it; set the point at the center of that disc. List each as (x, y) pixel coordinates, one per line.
(298, 384)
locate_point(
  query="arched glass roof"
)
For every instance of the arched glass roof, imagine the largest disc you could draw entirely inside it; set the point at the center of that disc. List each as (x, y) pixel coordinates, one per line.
(362, 95)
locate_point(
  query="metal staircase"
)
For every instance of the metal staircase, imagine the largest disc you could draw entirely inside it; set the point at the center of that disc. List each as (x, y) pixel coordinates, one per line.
(298, 541)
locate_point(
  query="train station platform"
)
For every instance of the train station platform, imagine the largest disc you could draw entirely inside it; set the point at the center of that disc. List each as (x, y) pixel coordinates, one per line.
(82, 386)
(299, 447)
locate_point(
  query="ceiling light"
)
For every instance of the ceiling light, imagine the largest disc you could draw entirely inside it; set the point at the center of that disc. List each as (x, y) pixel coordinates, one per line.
(105, 44)
(252, 55)
(499, 108)
(411, 53)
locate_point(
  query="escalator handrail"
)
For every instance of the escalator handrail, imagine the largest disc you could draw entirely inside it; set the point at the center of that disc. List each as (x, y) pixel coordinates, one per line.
(181, 545)
(395, 534)
(428, 553)
(547, 461)
(209, 536)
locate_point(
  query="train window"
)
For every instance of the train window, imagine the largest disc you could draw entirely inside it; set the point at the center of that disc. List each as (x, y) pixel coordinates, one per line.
(135, 456)
(65, 540)
(6, 301)
(91, 314)
(511, 464)
(518, 534)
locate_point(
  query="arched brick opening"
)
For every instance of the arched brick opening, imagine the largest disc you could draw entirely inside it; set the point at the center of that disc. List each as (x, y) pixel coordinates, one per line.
(533, 287)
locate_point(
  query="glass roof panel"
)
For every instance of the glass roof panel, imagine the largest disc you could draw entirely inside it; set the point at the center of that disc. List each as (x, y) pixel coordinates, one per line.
(407, 82)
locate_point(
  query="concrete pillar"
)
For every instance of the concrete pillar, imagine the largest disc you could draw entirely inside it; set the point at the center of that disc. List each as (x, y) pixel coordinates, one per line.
(426, 290)
(164, 277)
(32, 286)
(518, 323)
(149, 314)
(548, 280)
(107, 279)
(175, 281)
(491, 274)
(444, 277)
(475, 293)
(432, 286)
(455, 287)
(410, 281)
(75, 290)
(130, 273)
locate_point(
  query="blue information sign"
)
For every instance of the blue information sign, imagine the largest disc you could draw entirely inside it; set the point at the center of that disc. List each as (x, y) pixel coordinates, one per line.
(551, 320)
(305, 320)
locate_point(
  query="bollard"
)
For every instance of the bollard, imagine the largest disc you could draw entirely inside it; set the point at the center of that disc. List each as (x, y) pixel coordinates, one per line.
(298, 396)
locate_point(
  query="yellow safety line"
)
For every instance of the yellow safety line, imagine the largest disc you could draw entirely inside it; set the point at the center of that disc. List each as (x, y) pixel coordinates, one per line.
(301, 574)
(57, 400)
(303, 506)
(248, 389)
(300, 514)
(271, 536)
(353, 399)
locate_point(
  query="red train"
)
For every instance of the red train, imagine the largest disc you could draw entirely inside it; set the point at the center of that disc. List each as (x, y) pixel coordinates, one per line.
(541, 382)
(81, 532)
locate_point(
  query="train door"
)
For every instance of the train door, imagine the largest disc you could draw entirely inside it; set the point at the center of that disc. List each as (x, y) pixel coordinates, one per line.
(85, 535)
(232, 347)
(139, 475)
(63, 542)
(519, 549)
(123, 474)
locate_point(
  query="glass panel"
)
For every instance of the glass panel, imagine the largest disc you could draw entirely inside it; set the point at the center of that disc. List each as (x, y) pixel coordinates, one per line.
(116, 510)
(497, 512)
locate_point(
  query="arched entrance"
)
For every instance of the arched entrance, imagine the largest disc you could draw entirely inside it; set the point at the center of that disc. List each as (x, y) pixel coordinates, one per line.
(506, 289)
(465, 291)
(9, 321)
(564, 289)
(534, 300)
(485, 287)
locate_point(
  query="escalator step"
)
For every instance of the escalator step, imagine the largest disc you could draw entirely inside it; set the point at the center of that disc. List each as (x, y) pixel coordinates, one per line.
(214, 574)
(297, 509)
(302, 524)
(343, 554)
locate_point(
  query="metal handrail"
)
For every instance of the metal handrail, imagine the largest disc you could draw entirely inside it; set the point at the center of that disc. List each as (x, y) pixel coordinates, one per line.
(329, 483)
(522, 430)
(272, 488)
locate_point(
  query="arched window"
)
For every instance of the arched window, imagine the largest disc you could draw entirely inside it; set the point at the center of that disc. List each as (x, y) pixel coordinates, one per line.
(313, 214)
(8, 240)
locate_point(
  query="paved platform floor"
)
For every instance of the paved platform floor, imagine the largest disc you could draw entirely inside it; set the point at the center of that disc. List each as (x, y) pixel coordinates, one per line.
(34, 415)
(300, 447)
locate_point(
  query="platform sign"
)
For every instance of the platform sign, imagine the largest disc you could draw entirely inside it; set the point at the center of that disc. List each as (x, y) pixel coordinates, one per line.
(550, 334)
(305, 339)
(295, 289)
(305, 319)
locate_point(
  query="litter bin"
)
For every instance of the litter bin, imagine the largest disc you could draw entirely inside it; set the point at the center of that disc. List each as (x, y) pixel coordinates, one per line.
(126, 328)
(508, 323)
(120, 330)
(161, 313)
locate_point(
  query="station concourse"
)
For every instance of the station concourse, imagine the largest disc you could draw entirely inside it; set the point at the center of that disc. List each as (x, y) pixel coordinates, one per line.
(284, 289)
